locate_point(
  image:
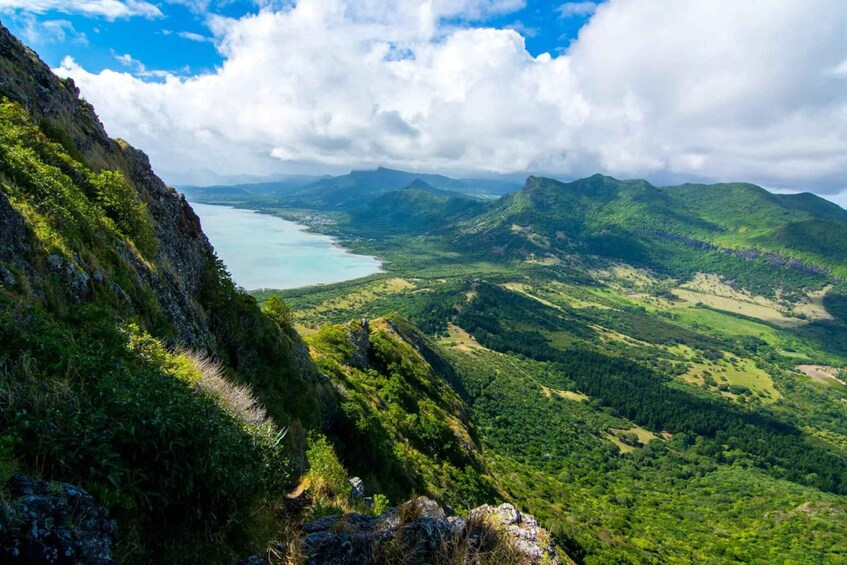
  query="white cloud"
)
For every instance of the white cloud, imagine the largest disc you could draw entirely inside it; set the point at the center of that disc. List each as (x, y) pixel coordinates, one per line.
(191, 36)
(702, 89)
(571, 9)
(109, 9)
(136, 67)
(42, 32)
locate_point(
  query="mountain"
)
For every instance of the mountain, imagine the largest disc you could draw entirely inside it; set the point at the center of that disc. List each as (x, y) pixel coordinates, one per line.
(741, 231)
(417, 208)
(150, 411)
(360, 187)
(131, 363)
(261, 190)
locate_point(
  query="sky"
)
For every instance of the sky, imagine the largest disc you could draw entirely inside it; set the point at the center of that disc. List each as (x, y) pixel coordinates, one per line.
(232, 90)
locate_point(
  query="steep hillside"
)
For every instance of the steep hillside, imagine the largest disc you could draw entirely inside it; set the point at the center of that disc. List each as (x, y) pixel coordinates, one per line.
(129, 362)
(400, 425)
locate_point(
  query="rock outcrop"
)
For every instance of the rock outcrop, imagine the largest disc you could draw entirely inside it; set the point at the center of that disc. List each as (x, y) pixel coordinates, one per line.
(54, 523)
(420, 531)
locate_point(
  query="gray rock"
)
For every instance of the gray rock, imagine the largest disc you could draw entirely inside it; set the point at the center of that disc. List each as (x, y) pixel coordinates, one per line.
(530, 538)
(357, 490)
(55, 262)
(419, 531)
(54, 523)
(7, 278)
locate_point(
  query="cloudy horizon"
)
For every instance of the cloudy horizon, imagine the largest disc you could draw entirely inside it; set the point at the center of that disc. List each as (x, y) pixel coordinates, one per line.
(669, 91)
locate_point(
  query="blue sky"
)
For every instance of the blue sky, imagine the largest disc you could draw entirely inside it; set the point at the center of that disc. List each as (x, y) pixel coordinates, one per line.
(229, 90)
(179, 40)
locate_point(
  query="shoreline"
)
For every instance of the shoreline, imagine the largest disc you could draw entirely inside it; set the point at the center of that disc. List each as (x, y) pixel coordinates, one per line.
(305, 229)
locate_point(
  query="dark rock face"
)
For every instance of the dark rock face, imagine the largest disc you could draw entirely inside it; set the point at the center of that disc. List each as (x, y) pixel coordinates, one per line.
(359, 335)
(773, 259)
(420, 532)
(54, 523)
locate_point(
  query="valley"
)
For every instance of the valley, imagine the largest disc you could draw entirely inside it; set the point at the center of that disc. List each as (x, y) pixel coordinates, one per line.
(539, 332)
(440, 370)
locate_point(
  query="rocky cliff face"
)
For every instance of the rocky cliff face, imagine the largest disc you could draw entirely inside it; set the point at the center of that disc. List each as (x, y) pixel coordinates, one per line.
(176, 274)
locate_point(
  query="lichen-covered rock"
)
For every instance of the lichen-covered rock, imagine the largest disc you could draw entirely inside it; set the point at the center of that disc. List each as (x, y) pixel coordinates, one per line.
(54, 523)
(529, 537)
(357, 489)
(419, 531)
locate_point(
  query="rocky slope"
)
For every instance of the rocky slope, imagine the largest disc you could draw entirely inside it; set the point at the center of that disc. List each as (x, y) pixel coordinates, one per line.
(176, 272)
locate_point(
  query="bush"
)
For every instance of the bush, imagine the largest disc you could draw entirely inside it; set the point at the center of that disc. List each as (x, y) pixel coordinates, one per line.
(139, 427)
(327, 477)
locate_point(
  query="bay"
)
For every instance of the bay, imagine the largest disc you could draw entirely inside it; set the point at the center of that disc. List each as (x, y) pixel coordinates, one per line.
(263, 251)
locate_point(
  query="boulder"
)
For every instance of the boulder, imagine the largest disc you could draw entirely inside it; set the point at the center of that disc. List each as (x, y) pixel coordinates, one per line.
(357, 489)
(52, 522)
(420, 531)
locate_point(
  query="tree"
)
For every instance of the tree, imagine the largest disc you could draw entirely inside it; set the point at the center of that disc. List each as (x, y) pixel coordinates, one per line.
(278, 311)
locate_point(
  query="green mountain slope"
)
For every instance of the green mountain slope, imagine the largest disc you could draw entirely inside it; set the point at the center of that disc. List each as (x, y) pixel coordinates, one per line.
(400, 425)
(129, 362)
(418, 208)
(360, 187)
(738, 231)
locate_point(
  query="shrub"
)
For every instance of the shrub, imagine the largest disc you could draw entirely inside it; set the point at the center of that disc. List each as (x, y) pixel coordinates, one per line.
(327, 477)
(166, 447)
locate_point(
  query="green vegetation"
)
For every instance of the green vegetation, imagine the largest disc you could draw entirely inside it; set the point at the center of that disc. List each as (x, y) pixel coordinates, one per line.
(53, 189)
(400, 426)
(657, 373)
(177, 445)
(630, 361)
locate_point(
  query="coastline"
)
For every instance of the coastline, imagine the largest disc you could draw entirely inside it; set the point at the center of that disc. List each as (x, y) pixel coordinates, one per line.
(378, 262)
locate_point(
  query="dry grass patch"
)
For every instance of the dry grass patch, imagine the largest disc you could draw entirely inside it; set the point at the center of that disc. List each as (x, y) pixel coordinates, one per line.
(459, 339)
(631, 439)
(567, 394)
(710, 290)
(728, 374)
(821, 374)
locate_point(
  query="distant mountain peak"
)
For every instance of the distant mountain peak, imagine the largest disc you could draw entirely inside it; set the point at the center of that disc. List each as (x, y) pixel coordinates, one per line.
(419, 184)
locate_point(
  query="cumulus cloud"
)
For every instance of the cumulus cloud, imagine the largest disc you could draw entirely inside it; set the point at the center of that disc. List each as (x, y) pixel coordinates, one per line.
(668, 90)
(109, 9)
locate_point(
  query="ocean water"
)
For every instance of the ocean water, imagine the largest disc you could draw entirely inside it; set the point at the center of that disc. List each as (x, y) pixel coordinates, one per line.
(263, 251)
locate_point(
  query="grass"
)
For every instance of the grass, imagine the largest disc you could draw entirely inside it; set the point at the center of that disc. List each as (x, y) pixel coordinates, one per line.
(765, 313)
(630, 439)
(733, 377)
(568, 394)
